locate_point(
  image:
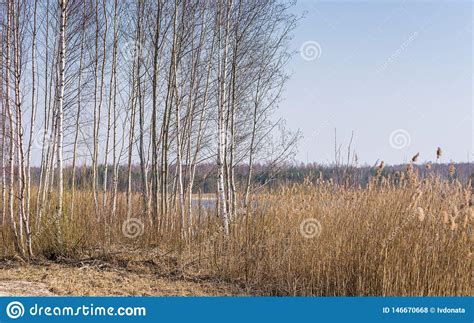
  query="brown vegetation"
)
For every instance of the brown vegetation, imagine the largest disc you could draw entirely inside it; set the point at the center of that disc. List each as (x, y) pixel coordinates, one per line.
(396, 237)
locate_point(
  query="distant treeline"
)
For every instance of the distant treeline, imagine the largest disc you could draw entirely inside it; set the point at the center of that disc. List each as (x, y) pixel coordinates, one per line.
(361, 175)
(263, 175)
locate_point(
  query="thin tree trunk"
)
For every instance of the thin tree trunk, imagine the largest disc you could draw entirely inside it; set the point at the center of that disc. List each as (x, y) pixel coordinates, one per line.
(4, 142)
(16, 234)
(154, 117)
(33, 111)
(24, 218)
(141, 105)
(96, 113)
(41, 190)
(221, 121)
(101, 93)
(78, 113)
(114, 111)
(60, 110)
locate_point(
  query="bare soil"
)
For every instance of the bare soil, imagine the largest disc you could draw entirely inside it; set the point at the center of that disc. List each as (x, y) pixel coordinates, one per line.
(120, 275)
(24, 288)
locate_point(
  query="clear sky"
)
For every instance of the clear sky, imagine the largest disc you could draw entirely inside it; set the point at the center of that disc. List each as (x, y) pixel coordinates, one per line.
(397, 73)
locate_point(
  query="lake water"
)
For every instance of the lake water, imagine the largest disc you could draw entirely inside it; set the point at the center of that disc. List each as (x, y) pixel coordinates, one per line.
(205, 203)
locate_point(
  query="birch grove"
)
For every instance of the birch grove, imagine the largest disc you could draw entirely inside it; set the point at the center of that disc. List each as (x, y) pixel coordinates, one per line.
(126, 99)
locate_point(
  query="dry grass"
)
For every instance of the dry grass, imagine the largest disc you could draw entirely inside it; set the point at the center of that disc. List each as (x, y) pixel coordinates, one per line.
(99, 278)
(400, 236)
(414, 240)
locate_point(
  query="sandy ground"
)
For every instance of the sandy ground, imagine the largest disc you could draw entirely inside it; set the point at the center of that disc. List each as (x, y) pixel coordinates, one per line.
(23, 288)
(97, 278)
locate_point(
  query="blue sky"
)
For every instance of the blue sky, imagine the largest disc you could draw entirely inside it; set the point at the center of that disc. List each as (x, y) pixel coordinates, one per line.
(397, 73)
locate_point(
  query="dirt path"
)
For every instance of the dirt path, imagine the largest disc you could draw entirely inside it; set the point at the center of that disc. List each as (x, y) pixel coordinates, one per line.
(96, 280)
(23, 288)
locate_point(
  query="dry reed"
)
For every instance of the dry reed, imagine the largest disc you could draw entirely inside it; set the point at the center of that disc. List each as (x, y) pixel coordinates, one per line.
(400, 236)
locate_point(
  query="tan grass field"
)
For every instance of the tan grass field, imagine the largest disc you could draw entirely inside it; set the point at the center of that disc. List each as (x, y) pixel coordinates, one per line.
(397, 237)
